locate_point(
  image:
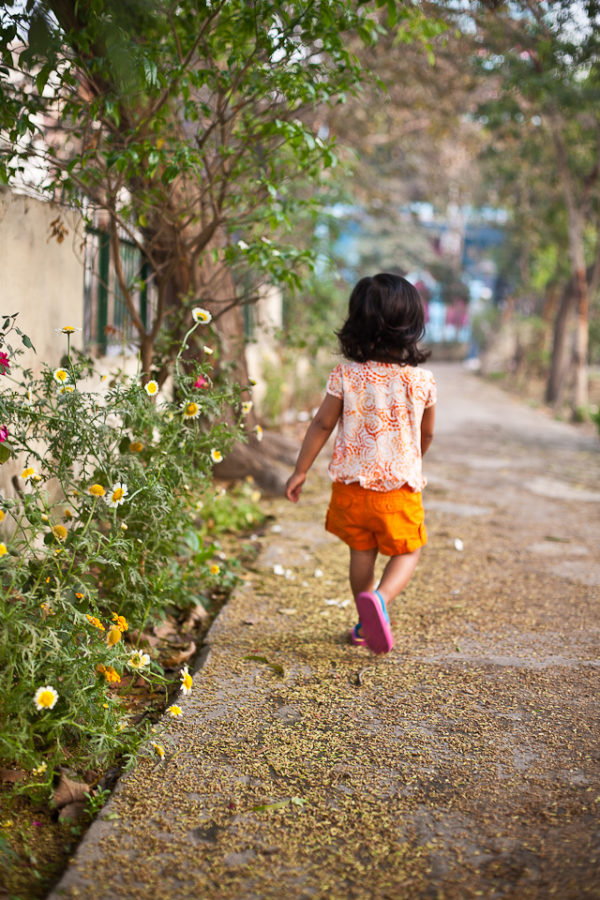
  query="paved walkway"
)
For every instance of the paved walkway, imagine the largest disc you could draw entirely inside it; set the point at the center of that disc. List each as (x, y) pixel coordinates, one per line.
(464, 764)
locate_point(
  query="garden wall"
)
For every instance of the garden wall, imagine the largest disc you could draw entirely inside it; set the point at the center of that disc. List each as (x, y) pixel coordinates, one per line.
(41, 277)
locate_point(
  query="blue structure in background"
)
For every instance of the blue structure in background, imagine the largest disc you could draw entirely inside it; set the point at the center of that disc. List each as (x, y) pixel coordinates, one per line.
(448, 321)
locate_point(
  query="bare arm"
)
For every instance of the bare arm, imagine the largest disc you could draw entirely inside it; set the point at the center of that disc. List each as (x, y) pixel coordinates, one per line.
(315, 438)
(427, 425)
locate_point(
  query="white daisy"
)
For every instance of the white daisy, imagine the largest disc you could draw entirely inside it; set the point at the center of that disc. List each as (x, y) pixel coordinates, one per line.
(138, 660)
(117, 494)
(186, 681)
(201, 315)
(45, 697)
(191, 410)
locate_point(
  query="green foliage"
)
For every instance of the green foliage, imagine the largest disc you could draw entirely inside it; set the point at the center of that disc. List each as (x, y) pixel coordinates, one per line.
(542, 118)
(231, 510)
(97, 543)
(191, 126)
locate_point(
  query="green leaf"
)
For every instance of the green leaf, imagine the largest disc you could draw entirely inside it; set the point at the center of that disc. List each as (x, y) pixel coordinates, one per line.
(4, 453)
(263, 659)
(151, 72)
(279, 804)
(42, 78)
(27, 342)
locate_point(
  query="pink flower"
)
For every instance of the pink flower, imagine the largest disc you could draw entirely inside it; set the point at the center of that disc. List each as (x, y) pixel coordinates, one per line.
(4, 363)
(3, 433)
(201, 382)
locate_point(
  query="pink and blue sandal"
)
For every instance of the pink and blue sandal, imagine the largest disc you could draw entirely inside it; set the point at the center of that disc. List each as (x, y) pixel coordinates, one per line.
(356, 637)
(375, 622)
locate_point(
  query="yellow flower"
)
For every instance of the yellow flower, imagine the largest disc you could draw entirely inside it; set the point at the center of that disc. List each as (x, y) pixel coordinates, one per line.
(3, 549)
(60, 532)
(201, 315)
(79, 595)
(95, 622)
(67, 514)
(186, 681)
(159, 750)
(61, 375)
(39, 770)
(151, 388)
(247, 406)
(120, 622)
(29, 474)
(191, 410)
(2, 514)
(138, 660)
(216, 455)
(174, 710)
(67, 389)
(111, 675)
(259, 433)
(123, 526)
(46, 609)
(96, 490)
(136, 446)
(215, 569)
(68, 329)
(45, 698)
(113, 636)
(118, 493)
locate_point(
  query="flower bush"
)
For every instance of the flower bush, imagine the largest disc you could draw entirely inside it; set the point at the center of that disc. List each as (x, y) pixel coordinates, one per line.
(98, 542)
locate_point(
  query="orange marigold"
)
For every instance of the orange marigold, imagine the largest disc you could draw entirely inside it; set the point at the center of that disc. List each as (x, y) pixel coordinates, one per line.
(120, 622)
(95, 622)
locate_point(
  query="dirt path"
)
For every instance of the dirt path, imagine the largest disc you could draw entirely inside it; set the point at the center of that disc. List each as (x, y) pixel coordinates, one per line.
(464, 764)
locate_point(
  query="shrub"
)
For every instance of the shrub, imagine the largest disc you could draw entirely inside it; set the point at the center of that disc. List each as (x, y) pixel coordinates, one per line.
(96, 534)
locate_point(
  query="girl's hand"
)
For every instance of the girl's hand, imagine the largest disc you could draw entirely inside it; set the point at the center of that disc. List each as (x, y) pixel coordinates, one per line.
(293, 486)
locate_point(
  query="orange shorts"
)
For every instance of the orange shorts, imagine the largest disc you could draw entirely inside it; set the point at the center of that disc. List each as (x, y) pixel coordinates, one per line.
(391, 521)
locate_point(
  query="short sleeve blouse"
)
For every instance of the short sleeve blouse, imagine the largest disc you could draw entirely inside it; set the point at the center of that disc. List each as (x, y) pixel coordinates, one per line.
(378, 441)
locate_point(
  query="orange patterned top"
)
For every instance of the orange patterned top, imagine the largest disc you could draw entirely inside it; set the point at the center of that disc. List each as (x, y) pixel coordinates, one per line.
(378, 441)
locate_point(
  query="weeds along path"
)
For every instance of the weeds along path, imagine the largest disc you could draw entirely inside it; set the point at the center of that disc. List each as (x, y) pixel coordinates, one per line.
(464, 764)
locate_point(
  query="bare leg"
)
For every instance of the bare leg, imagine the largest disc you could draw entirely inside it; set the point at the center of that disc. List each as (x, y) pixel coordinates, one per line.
(362, 570)
(397, 574)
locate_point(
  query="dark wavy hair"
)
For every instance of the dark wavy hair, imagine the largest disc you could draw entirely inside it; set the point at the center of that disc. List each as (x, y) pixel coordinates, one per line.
(385, 323)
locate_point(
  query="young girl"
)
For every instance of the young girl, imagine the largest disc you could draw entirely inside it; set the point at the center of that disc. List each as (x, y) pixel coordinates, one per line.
(384, 405)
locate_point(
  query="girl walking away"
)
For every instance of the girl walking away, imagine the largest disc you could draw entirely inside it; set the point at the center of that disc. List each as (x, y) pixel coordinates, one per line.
(383, 404)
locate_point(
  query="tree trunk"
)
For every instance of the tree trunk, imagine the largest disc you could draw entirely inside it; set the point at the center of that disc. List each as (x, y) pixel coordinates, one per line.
(581, 395)
(214, 289)
(576, 229)
(559, 362)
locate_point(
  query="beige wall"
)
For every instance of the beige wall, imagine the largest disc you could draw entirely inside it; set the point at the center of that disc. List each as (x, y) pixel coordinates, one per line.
(40, 279)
